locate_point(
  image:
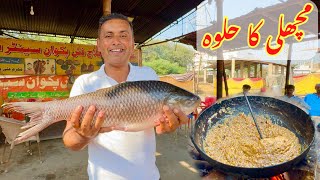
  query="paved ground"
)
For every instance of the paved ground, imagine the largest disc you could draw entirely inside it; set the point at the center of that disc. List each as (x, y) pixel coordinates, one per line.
(60, 163)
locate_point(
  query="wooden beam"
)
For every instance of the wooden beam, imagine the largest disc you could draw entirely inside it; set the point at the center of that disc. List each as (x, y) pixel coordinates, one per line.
(249, 69)
(282, 70)
(276, 70)
(233, 65)
(139, 57)
(205, 75)
(106, 7)
(270, 69)
(288, 64)
(225, 80)
(220, 65)
(241, 69)
(255, 70)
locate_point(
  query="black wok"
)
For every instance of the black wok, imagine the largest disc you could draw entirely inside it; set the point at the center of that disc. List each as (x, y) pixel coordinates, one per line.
(280, 112)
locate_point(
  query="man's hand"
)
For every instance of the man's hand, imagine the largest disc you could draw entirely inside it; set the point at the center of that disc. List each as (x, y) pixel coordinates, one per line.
(87, 128)
(171, 120)
(77, 135)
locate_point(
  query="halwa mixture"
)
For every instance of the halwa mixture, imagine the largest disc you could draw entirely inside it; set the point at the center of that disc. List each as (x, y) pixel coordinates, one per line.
(236, 142)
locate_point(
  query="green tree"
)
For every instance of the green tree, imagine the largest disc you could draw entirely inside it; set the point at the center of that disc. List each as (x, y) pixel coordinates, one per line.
(164, 67)
(175, 57)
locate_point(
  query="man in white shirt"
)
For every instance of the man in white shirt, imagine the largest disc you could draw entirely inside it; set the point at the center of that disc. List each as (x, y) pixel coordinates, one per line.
(116, 154)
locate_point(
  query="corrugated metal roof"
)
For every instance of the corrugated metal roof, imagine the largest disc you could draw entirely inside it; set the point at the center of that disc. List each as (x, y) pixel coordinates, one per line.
(80, 17)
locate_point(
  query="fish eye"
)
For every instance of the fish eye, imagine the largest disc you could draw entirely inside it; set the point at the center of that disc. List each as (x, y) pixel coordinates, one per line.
(188, 102)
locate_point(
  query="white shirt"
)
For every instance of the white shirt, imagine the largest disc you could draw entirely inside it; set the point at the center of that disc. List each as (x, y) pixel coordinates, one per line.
(119, 155)
(296, 101)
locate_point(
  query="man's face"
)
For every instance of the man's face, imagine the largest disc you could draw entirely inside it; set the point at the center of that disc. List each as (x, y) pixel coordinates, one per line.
(29, 66)
(289, 91)
(115, 42)
(318, 88)
(245, 90)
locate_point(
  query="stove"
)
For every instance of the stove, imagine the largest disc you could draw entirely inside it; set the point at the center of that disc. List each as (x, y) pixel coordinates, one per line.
(291, 175)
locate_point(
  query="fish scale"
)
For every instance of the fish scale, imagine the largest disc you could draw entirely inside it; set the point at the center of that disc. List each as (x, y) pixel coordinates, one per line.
(132, 106)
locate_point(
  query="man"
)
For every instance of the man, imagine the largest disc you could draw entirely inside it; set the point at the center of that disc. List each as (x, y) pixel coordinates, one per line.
(116, 154)
(29, 69)
(246, 88)
(289, 90)
(313, 100)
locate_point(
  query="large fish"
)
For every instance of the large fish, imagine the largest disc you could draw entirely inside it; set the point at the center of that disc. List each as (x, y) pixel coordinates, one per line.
(133, 106)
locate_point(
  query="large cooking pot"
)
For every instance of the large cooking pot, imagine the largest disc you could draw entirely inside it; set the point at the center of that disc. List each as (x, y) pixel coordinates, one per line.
(280, 112)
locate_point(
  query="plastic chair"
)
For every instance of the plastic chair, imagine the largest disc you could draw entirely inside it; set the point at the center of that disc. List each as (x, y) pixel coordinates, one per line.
(11, 128)
(208, 101)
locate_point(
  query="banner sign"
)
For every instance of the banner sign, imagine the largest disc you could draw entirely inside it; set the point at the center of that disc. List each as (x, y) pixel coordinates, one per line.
(51, 58)
(30, 86)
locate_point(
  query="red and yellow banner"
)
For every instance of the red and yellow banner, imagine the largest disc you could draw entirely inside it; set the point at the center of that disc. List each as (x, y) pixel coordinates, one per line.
(305, 84)
(17, 48)
(48, 87)
(50, 58)
(235, 85)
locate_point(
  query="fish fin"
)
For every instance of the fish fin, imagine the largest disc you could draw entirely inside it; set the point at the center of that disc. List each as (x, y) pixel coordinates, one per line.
(36, 127)
(29, 108)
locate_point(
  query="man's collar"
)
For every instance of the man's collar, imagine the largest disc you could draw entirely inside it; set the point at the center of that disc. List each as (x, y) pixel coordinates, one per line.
(102, 73)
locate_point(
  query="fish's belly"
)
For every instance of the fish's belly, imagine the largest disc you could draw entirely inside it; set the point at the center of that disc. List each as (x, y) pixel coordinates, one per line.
(135, 121)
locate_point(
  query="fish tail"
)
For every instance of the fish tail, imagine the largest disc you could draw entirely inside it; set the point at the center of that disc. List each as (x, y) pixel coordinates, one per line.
(32, 122)
(36, 128)
(38, 119)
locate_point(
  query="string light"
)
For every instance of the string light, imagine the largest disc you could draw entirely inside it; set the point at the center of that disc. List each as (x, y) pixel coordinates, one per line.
(31, 11)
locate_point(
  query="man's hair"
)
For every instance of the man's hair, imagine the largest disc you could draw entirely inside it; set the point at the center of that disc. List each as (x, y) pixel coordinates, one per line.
(317, 85)
(289, 86)
(111, 16)
(246, 86)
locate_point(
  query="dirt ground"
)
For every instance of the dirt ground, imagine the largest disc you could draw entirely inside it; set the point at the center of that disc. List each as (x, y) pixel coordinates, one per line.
(173, 160)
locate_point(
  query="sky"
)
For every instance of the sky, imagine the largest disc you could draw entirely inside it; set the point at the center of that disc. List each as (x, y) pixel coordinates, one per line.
(231, 8)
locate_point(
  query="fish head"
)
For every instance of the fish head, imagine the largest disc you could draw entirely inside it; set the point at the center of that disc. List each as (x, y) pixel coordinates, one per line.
(184, 100)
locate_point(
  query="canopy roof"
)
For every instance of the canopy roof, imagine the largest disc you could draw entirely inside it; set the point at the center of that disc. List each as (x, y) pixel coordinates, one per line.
(79, 18)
